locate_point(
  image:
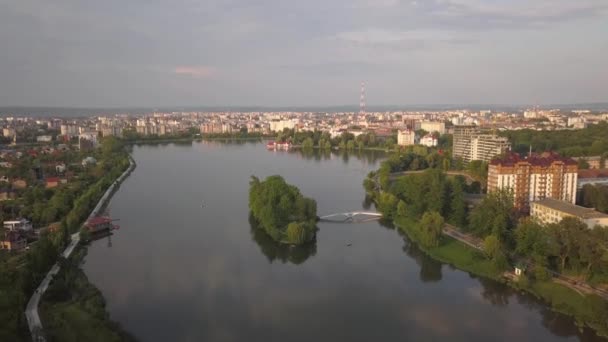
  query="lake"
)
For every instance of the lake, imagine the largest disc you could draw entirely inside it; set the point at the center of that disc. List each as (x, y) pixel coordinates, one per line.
(181, 271)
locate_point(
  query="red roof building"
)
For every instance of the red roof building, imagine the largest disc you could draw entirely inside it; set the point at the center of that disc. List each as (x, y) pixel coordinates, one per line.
(534, 178)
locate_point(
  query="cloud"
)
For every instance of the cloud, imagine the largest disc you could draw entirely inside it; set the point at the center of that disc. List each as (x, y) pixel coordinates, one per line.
(514, 13)
(195, 71)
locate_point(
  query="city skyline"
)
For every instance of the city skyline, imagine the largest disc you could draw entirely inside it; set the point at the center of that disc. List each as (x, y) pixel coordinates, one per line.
(303, 54)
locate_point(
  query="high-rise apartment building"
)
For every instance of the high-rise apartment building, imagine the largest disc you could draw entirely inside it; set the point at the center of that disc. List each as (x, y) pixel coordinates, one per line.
(487, 146)
(406, 137)
(433, 126)
(469, 144)
(534, 178)
(461, 144)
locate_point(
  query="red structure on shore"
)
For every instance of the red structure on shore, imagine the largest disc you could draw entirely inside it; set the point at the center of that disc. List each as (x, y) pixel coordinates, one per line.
(100, 223)
(273, 145)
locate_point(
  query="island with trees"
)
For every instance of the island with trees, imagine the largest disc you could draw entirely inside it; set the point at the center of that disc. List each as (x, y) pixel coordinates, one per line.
(282, 211)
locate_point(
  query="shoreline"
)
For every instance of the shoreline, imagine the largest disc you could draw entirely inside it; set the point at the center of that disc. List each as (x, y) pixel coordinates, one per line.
(555, 296)
(34, 322)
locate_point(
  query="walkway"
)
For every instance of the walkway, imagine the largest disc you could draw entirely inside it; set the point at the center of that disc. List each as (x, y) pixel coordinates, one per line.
(353, 217)
(31, 310)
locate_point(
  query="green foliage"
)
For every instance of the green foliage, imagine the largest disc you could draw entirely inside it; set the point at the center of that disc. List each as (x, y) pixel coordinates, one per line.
(494, 215)
(591, 141)
(74, 310)
(276, 204)
(531, 240)
(595, 196)
(308, 143)
(494, 249)
(458, 207)
(387, 204)
(478, 169)
(431, 229)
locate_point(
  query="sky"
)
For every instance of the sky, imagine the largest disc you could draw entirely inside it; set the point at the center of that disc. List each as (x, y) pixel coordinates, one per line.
(119, 53)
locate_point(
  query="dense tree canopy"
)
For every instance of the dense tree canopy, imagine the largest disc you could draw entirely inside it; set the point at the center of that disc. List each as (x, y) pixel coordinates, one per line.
(591, 141)
(282, 211)
(595, 196)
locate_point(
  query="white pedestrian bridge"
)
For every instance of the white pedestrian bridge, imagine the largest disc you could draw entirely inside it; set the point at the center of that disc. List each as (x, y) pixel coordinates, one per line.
(352, 217)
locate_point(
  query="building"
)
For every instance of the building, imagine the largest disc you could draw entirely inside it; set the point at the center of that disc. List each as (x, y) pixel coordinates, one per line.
(549, 211)
(406, 138)
(594, 162)
(280, 125)
(87, 140)
(461, 146)
(99, 224)
(592, 177)
(21, 224)
(19, 183)
(534, 178)
(52, 182)
(429, 140)
(13, 241)
(69, 130)
(111, 131)
(9, 132)
(487, 146)
(433, 126)
(88, 161)
(470, 144)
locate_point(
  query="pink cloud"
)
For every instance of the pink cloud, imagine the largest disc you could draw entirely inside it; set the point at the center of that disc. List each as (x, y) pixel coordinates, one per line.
(195, 71)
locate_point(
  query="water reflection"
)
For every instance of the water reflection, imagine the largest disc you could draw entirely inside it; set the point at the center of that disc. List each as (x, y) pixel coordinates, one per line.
(368, 157)
(500, 295)
(430, 269)
(277, 251)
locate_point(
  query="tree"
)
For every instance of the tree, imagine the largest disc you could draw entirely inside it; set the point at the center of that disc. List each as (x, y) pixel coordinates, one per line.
(458, 207)
(276, 204)
(566, 238)
(308, 143)
(493, 248)
(401, 209)
(531, 239)
(497, 209)
(431, 228)
(296, 233)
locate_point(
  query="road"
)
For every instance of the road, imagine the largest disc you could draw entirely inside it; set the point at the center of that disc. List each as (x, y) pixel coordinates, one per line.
(31, 310)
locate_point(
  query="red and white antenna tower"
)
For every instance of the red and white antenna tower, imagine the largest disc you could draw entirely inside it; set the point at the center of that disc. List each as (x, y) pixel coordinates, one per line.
(362, 99)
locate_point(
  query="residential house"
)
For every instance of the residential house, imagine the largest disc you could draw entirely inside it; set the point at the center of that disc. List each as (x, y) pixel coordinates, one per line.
(13, 241)
(20, 224)
(52, 182)
(19, 184)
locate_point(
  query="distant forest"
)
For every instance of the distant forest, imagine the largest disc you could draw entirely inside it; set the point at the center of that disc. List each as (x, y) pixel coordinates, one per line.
(590, 141)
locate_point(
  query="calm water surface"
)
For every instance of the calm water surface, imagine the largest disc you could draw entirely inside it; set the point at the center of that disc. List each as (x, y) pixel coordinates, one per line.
(177, 271)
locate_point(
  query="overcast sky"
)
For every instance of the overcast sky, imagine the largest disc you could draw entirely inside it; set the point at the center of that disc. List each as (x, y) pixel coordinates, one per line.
(302, 53)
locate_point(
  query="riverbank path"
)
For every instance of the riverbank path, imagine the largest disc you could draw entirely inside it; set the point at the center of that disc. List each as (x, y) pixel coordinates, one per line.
(31, 310)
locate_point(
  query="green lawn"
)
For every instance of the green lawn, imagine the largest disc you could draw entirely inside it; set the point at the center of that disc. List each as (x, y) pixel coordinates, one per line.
(587, 310)
(453, 252)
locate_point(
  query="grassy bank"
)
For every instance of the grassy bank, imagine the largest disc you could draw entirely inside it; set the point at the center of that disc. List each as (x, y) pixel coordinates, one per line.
(452, 252)
(587, 310)
(74, 310)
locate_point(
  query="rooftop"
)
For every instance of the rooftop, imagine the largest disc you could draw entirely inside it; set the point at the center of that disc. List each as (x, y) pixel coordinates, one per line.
(568, 208)
(543, 159)
(592, 173)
